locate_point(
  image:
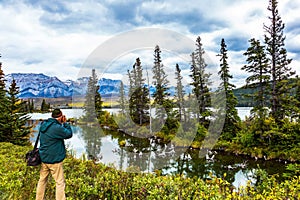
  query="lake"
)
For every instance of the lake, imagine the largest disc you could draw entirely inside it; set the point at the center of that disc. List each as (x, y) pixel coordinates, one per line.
(76, 113)
(146, 155)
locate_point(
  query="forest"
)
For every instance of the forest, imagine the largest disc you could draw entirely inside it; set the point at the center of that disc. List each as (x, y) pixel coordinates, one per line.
(209, 119)
(204, 119)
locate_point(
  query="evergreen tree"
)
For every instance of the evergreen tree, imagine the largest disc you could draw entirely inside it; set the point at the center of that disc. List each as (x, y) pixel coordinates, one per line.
(180, 94)
(164, 106)
(200, 81)
(25, 107)
(161, 84)
(2, 83)
(139, 100)
(15, 128)
(196, 92)
(258, 67)
(3, 104)
(296, 114)
(93, 104)
(45, 107)
(130, 93)
(98, 102)
(122, 99)
(191, 105)
(231, 118)
(280, 72)
(142, 94)
(31, 106)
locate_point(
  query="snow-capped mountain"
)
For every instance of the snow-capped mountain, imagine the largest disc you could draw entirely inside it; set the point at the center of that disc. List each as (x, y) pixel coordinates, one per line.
(78, 87)
(109, 86)
(39, 85)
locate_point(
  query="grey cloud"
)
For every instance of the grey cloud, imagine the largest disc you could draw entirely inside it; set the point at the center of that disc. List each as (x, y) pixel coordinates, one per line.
(293, 27)
(33, 61)
(55, 6)
(121, 15)
(234, 42)
(92, 18)
(124, 11)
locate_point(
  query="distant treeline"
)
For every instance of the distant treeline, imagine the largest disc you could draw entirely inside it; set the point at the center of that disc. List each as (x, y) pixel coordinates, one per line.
(245, 93)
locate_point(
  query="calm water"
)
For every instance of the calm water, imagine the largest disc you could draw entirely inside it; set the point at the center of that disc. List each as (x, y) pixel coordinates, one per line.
(147, 155)
(76, 113)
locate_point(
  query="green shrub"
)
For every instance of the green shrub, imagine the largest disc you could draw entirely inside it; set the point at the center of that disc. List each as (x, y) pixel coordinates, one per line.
(86, 180)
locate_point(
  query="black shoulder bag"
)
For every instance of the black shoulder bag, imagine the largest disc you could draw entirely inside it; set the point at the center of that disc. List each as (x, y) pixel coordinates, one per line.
(33, 156)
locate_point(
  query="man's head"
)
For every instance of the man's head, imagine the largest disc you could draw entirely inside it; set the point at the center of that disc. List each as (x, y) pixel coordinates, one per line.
(56, 113)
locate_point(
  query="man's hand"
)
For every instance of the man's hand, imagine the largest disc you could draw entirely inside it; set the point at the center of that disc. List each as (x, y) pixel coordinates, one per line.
(63, 119)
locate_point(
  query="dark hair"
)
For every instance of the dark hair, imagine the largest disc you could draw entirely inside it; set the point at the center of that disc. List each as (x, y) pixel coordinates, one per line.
(56, 113)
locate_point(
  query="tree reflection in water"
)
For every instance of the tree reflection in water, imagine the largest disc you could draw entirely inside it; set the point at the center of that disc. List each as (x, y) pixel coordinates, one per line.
(92, 138)
(146, 155)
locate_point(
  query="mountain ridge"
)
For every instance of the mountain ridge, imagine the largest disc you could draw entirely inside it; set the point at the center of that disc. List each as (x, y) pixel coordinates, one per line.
(39, 85)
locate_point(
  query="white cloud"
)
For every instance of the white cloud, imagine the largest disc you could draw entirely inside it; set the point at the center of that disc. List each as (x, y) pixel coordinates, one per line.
(56, 39)
(30, 47)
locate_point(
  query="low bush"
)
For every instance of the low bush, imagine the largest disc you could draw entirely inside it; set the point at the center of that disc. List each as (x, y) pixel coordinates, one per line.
(87, 180)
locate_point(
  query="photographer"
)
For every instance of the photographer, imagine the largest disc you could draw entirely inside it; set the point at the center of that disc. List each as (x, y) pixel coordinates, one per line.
(52, 152)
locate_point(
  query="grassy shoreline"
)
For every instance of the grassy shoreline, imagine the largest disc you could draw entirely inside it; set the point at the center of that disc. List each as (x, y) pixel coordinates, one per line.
(87, 180)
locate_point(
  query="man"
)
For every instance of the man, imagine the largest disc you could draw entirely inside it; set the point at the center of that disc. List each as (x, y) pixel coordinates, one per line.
(52, 152)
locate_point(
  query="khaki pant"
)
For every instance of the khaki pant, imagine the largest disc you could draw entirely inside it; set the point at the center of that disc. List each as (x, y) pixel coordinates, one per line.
(58, 174)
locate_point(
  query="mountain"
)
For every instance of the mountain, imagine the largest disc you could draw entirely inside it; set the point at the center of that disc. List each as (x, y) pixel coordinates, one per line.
(39, 85)
(78, 87)
(110, 87)
(42, 86)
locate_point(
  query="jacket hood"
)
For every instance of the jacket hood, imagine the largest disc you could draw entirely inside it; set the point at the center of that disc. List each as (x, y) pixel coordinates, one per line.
(46, 124)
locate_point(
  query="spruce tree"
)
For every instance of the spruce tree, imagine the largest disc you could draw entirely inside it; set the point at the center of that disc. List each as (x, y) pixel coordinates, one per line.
(31, 106)
(232, 119)
(15, 128)
(138, 100)
(164, 106)
(130, 93)
(122, 99)
(98, 102)
(3, 104)
(45, 107)
(296, 114)
(160, 82)
(280, 72)
(92, 109)
(259, 78)
(180, 94)
(142, 94)
(2, 83)
(194, 83)
(200, 81)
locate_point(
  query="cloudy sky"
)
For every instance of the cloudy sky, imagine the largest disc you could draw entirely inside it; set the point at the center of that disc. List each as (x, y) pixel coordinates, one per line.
(57, 38)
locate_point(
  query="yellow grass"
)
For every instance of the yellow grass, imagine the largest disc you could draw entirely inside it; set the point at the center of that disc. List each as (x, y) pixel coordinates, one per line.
(105, 104)
(76, 104)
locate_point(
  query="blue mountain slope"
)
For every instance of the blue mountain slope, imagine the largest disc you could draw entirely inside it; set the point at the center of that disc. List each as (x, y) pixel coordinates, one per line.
(39, 85)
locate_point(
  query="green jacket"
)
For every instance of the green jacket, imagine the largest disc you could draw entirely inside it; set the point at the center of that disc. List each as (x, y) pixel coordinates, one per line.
(52, 134)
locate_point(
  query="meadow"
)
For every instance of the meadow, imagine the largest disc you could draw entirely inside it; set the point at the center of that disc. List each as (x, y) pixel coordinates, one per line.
(87, 180)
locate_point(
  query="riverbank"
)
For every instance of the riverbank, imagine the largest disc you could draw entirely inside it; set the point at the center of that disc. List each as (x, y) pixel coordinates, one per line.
(265, 153)
(282, 154)
(87, 180)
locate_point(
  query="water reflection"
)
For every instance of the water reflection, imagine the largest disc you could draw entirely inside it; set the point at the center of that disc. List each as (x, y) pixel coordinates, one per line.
(147, 155)
(92, 137)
